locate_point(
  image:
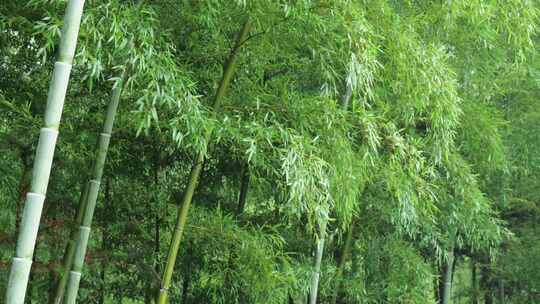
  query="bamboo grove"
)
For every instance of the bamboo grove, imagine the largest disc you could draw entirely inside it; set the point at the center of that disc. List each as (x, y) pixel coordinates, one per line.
(257, 151)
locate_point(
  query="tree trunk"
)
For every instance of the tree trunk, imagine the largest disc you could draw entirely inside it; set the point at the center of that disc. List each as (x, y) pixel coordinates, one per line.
(437, 284)
(93, 191)
(342, 261)
(196, 171)
(69, 252)
(474, 285)
(345, 99)
(486, 283)
(244, 185)
(105, 243)
(23, 188)
(501, 291)
(185, 289)
(447, 278)
(317, 268)
(22, 261)
(488, 297)
(157, 220)
(51, 287)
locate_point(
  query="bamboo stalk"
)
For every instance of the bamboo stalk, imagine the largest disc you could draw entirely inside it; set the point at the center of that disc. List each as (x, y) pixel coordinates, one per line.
(447, 278)
(244, 186)
(195, 173)
(75, 273)
(318, 261)
(69, 252)
(345, 99)
(474, 289)
(342, 260)
(22, 262)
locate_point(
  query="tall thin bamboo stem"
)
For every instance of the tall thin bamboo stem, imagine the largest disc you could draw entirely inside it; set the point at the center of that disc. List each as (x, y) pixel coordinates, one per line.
(318, 261)
(22, 262)
(195, 173)
(342, 260)
(474, 284)
(345, 99)
(244, 185)
(447, 278)
(69, 252)
(83, 234)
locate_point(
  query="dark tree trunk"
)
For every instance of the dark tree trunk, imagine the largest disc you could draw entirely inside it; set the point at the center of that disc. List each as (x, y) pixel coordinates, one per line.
(244, 185)
(501, 292)
(185, 289)
(488, 297)
(440, 280)
(342, 261)
(486, 284)
(156, 241)
(105, 242)
(22, 189)
(51, 286)
(474, 287)
(437, 284)
(445, 286)
(157, 219)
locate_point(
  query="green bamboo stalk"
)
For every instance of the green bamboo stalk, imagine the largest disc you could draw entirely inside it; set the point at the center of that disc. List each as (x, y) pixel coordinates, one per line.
(345, 99)
(342, 260)
(244, 186)
(318, 260)
(474, 285)
(228, 71)
(22, 261)
(447, 278)
(74, 277)
(69, 252)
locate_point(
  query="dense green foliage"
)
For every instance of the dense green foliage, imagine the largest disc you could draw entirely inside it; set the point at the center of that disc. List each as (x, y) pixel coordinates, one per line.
(413, 124)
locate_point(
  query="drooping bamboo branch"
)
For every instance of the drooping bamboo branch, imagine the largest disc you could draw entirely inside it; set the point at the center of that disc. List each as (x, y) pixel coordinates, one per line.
(22, 262)
(228, 71)
(83, 232)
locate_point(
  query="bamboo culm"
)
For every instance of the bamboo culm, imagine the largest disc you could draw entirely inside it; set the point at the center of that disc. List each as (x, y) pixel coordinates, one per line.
(345, 99)
(342, 260)
(228, 71)
(22, 262)
(318, 260)
(447, 278)
(83, 233)
(69, 252)
(474, 288)
(244, 186)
